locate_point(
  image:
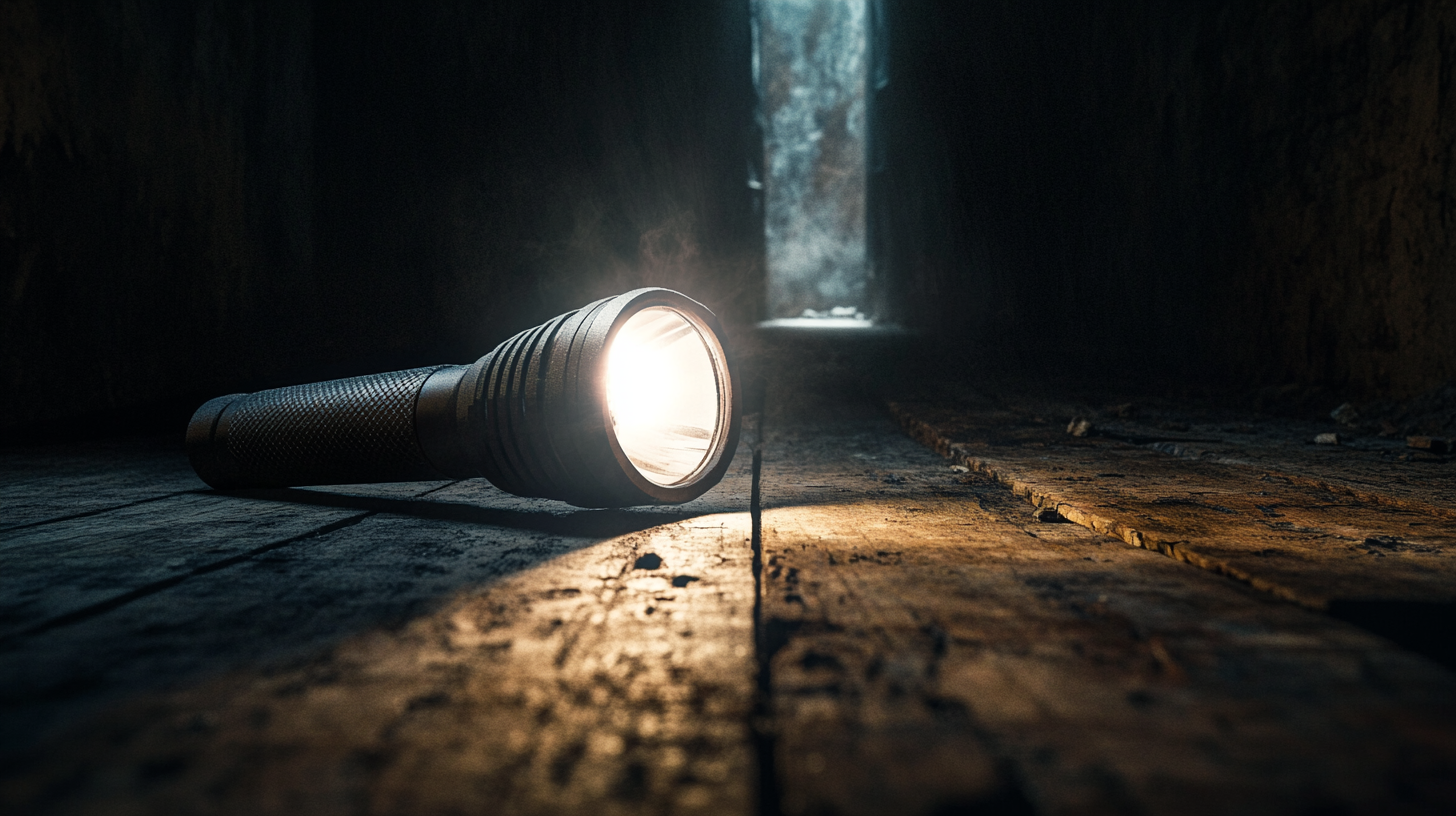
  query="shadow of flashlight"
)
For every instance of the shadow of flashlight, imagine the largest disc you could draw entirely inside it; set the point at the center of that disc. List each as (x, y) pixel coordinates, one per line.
(626, 401)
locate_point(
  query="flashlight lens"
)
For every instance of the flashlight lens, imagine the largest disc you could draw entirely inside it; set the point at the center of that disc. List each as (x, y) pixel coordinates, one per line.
(663, 394)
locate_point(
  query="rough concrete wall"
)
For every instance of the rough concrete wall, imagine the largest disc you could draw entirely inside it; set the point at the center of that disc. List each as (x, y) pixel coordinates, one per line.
(154, 198)
(1237, 192)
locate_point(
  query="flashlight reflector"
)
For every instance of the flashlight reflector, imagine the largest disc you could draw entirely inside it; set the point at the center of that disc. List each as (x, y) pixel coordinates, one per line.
(663, 394)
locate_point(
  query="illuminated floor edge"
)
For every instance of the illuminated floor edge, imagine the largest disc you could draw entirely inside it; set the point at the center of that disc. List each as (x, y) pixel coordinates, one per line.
(818, 323)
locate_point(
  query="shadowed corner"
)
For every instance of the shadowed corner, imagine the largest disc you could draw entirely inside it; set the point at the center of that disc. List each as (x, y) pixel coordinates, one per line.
(1424, 627)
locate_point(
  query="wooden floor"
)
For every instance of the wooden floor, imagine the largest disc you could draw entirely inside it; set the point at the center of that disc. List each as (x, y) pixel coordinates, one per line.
(851, 623)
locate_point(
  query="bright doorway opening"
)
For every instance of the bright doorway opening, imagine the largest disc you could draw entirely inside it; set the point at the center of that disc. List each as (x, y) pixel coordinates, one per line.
(811, 61)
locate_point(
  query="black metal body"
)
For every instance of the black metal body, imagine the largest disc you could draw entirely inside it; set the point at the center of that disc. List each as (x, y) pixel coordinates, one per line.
(530, 416)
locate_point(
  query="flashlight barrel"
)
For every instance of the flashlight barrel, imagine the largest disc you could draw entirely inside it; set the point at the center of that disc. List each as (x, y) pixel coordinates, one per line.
(355, 430)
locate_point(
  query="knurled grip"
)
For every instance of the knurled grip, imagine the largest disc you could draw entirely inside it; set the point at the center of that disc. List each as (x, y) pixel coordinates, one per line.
(360, 429)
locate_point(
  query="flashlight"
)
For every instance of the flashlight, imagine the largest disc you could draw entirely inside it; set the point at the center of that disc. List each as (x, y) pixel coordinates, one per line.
(629, 400)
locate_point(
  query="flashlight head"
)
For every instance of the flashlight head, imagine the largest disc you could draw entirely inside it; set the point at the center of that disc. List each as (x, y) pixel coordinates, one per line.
(630, 400)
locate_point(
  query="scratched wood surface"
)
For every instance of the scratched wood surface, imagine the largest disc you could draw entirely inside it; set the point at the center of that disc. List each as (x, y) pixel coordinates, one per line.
(395, 649)
(934, 647)
(899, 637)
(1371, 463)
(1300, 540)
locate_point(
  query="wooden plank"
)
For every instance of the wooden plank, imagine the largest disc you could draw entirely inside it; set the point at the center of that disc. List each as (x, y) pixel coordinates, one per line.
(926, 646)
(55, 571)
(1299, 541)
(40, 485)
(1373, 469)
(483, 655)
(70, 566)
(933, 648)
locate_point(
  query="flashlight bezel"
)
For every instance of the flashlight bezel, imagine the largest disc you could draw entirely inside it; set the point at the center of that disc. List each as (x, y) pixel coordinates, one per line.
(724, 438)
(536, 409)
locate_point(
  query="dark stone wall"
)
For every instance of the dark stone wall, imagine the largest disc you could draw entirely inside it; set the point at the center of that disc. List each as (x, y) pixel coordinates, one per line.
(1234, 193)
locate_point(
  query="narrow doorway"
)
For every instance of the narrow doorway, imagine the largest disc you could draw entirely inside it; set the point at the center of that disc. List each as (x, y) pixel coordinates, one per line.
(811, 60)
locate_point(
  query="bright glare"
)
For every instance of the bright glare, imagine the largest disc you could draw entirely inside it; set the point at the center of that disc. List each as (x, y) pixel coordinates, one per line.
(662, 392)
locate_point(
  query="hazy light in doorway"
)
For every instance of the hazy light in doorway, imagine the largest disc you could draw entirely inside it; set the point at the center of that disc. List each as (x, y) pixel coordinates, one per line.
(811, 68)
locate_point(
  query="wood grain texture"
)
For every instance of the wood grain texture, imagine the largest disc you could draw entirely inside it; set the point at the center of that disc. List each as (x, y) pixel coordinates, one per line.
(465, 648)
(1367, 466)
(1295, 538)
(57, 570)
(934, 648)
(38, 485)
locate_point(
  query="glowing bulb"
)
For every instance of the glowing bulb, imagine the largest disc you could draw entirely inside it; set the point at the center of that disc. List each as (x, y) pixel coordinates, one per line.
(663, 394)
